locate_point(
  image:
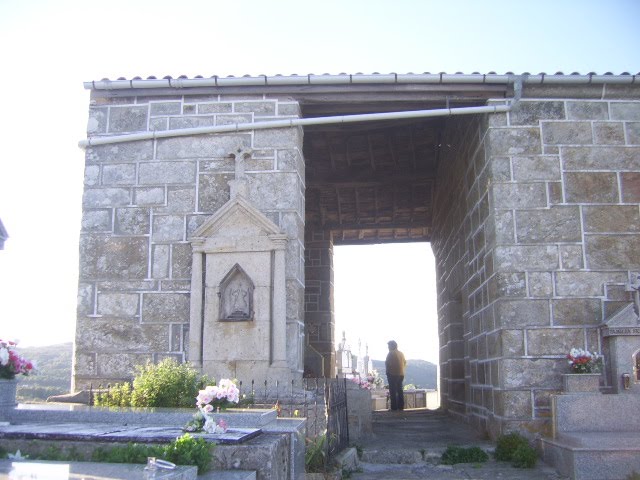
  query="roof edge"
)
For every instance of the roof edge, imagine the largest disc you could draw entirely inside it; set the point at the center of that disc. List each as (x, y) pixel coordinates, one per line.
(363, 79)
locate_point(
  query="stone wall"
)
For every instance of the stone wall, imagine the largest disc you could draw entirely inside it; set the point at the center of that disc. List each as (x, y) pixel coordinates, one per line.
(142, 201)
(319, 313)
(537, 247)
(461, 213)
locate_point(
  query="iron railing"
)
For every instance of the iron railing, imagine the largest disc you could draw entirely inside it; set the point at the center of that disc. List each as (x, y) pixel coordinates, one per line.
(337, 416)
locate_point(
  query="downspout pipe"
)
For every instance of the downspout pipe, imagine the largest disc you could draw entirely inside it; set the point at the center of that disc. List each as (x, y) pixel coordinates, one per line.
(294, 122)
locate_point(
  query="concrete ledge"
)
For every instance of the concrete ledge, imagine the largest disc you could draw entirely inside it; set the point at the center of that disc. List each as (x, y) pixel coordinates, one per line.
(392, 456)
(140, 416)
(347, 460)
(228, 475)
(580, 412)
(42, 470)
(593, 455)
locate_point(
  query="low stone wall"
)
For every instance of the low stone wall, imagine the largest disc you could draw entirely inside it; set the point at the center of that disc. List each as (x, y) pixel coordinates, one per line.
(276, 454)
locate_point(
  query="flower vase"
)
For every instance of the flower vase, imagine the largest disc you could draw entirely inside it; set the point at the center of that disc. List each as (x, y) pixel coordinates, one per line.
(581, 383)
(8, 389)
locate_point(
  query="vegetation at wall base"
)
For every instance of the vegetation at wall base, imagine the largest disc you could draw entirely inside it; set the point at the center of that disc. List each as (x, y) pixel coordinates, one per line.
(165, 384)
(184, 450)
(525, 456)
(453, 455)
(315, 456)
(515, 448)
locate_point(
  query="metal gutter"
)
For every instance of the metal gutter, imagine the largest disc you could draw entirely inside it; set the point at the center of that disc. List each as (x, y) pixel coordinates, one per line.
(293, 122)
(345, 79)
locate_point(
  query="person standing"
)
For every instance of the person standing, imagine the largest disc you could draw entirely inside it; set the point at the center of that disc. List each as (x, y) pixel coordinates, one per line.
(394, 365)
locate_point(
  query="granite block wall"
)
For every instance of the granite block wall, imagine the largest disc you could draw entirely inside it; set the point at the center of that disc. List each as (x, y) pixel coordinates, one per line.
(536, 249)
(143, 199)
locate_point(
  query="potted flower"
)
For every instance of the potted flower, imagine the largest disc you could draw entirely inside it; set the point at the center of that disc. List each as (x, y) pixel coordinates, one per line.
(585, 371)
(11, 365)
(213, 399)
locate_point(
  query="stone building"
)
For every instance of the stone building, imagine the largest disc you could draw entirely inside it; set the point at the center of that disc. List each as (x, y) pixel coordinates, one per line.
(203, 191)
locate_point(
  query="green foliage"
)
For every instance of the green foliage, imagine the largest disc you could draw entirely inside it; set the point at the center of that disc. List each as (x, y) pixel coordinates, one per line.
(525, 456)
(130, 453)
(165, 384)
(118, 396)
(453, 455)
(185, 450)
(409, 386)
(315, 457)
(508, 444)
(3, 453)
(633, 476)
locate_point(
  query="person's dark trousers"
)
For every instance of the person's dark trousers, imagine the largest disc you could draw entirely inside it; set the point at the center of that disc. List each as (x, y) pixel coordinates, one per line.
(395, 391)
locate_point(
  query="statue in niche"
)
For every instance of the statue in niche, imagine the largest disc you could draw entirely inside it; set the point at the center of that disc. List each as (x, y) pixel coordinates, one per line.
(236, 296)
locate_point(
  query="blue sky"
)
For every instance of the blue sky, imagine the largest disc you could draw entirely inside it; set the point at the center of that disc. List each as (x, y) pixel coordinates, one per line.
(51, 47)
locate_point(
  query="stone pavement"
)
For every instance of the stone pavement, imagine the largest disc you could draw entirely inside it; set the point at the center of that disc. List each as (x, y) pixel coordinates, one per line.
(408, 445)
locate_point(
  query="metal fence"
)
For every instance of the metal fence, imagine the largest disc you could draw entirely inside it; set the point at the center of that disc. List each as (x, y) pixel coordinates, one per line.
(337, 417)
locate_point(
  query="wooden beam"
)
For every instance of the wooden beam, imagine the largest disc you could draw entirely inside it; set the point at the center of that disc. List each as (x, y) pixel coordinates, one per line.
(369, 180)
(372, 226)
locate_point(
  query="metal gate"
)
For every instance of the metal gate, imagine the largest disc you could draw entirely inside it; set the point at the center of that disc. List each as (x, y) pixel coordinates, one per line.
(337, 421)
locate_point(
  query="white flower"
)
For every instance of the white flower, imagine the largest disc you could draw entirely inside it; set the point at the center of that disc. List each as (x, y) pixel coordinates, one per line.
(17, 456)
(209, 425)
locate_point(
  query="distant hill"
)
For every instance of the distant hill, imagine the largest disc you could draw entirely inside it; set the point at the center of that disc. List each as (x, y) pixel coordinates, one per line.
(421, 373)
(53, 376)
(54, 373)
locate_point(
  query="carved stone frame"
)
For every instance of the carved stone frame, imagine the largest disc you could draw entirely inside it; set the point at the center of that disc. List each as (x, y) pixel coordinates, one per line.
(228, 314)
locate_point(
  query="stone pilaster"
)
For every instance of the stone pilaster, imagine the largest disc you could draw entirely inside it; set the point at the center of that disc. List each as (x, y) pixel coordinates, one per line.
(319, 313)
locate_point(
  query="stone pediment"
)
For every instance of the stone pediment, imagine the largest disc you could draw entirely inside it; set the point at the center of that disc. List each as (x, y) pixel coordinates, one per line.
(238, 218)
(623, 322)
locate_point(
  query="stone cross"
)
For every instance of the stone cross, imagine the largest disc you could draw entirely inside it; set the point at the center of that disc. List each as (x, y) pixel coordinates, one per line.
(239, 185)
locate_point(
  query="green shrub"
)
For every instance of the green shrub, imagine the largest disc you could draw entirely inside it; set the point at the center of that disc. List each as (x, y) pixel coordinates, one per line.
(507, 444)
(453, 455)
(118, 396)
(525, 456)
(165, 384)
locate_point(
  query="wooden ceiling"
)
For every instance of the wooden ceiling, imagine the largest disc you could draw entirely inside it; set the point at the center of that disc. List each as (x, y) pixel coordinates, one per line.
(372, 183)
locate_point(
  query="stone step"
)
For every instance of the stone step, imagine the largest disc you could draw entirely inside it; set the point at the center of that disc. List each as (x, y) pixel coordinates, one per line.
(389, 456)
(594, 455)
(405, 455)
(228, 475)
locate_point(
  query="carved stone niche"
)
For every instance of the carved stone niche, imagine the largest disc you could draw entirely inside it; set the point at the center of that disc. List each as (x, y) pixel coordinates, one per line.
(236, 296)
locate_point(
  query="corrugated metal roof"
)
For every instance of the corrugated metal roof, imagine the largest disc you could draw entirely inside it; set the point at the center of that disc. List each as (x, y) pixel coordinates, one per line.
(361, 78)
